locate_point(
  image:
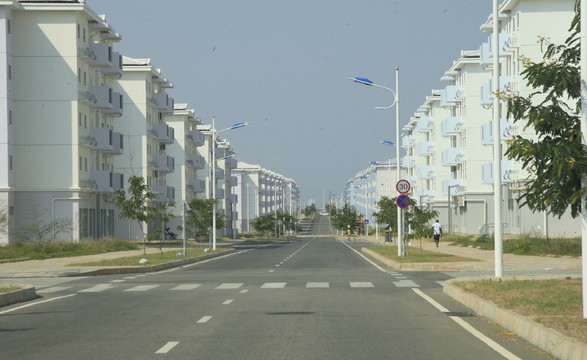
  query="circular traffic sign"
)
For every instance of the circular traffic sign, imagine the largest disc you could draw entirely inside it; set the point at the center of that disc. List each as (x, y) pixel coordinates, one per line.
(403, 186)
(403, 201)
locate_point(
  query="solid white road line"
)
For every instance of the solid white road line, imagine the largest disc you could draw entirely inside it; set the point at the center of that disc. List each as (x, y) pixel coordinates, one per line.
(406, 283)
(204, 319)
(243, 291)
(492, 344)
(35, 303)
(364, 257)
(167, 347)
(228, 302)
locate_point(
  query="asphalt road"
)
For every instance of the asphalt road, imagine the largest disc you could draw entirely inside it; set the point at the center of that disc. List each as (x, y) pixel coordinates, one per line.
(307, 298)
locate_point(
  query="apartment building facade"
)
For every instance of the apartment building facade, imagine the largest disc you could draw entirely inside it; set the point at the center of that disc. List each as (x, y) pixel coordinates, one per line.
(449, 140)
(57, 112)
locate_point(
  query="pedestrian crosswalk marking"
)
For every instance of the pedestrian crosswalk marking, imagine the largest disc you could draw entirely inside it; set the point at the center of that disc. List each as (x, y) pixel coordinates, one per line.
(280, 285)
(315, 285)
(53, 289)
(142, 288)
(229, 286)
(98, 288)
(186, 287)
(362, 285)
(405, 283)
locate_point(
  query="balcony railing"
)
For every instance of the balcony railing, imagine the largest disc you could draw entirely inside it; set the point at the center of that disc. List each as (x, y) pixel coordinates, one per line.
(107, 181)
(426, 172)
(165, 163)
(103, 54)
(507, 131)
(453, 156)
(164, 133)
(425, 124)
(117, 104)
(116, 68)
(163, 102)
(164, 193)
(102, 95)
(425, 148)
(197, 137)
(452, 126)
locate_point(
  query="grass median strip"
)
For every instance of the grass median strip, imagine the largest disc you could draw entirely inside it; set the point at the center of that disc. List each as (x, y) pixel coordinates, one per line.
(556, 304)
(415, 255)
(154, 259)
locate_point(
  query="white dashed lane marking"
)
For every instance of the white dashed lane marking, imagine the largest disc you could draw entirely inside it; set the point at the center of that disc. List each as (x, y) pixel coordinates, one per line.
(186, 287)
(229, 286)
(316, 285)
(142, 288)
(362, 285)
(204, 319)
(97, 288)
(280, 285)
(167, 347)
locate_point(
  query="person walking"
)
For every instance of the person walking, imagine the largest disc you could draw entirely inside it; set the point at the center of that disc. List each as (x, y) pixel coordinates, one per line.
(437, 232)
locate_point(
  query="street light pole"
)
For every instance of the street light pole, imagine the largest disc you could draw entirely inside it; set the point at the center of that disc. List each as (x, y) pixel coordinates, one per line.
(449, 210)
(213, 157)
(365, 81)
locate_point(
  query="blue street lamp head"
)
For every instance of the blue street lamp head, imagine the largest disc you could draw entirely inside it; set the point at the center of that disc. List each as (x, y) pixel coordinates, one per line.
(374, 162)
(387, 142)
(238, 125)
(362, 80)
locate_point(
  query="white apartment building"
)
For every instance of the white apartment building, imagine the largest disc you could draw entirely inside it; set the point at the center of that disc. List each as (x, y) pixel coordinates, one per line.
(189, 177)
(449, 140)
(262, 192)
(146, 137)
(57, 112)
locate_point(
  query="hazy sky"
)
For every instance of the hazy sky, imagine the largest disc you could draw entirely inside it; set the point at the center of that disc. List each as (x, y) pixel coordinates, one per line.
(283, 66)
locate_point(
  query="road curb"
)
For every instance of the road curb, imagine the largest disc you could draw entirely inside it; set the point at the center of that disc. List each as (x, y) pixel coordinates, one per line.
(153, 268)
(456, 266)
(26, 293)
(547, 339)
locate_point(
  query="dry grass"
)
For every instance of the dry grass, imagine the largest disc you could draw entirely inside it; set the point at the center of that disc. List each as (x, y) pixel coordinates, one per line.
(154, 259)
(416, 255)
(556, 304)
(8, 288)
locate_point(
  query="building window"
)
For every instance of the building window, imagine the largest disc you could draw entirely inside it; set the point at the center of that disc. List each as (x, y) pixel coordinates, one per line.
(9, 72)
(84, 34)
(86, 164)
(10, 163)
(9, 117)
(85, 80)
(79, 119)
(8, 27)
(79, 75)
(81, 167)
(78, 31)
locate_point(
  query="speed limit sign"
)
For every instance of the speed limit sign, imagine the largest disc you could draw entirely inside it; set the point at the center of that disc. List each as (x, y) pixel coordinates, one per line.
(403, 186)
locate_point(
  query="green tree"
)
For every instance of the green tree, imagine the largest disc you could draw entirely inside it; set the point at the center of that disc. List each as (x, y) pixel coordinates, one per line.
(387, 214)
(557, 159)
(264, 225)
(345, 217)
(419, 220)
(310, 209)
(199, 217)
(137, 204)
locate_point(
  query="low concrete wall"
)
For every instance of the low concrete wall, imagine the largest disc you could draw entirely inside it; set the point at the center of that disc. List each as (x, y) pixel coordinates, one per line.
(547, 339)
(26, 293)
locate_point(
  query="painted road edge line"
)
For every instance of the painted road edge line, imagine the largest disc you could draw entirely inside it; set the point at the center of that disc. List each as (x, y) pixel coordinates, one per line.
(492, 344)
(36, 303)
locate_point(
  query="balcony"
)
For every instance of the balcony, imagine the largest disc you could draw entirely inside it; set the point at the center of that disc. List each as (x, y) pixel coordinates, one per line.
(426, 172)
(116, 68)
(196, 137)
(102, 97)
(164, 133)
(163, 102)
(509, 172)
(219, 174)
(486, 53)
(219, 193)
(425, 196)
(117, 101)
(506, 85)
(425, 124)
(457, 187)
(199, 186)
(408, 141)
(231, 163)
(196, 160)
(452, 125)
(102, 55)
(107, 141)
(233, 198)
(164, 193)
(451, 95)
(165, 163)
(232, 181)
(507, 130)
(107, 181)
(408, 161)
(425, 148)
(453, 156)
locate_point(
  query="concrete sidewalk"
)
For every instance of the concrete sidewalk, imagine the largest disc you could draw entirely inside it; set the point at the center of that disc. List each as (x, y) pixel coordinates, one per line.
(485, 260)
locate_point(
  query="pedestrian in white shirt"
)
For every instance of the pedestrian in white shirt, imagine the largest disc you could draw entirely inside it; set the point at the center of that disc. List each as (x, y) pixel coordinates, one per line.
(437, 232)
